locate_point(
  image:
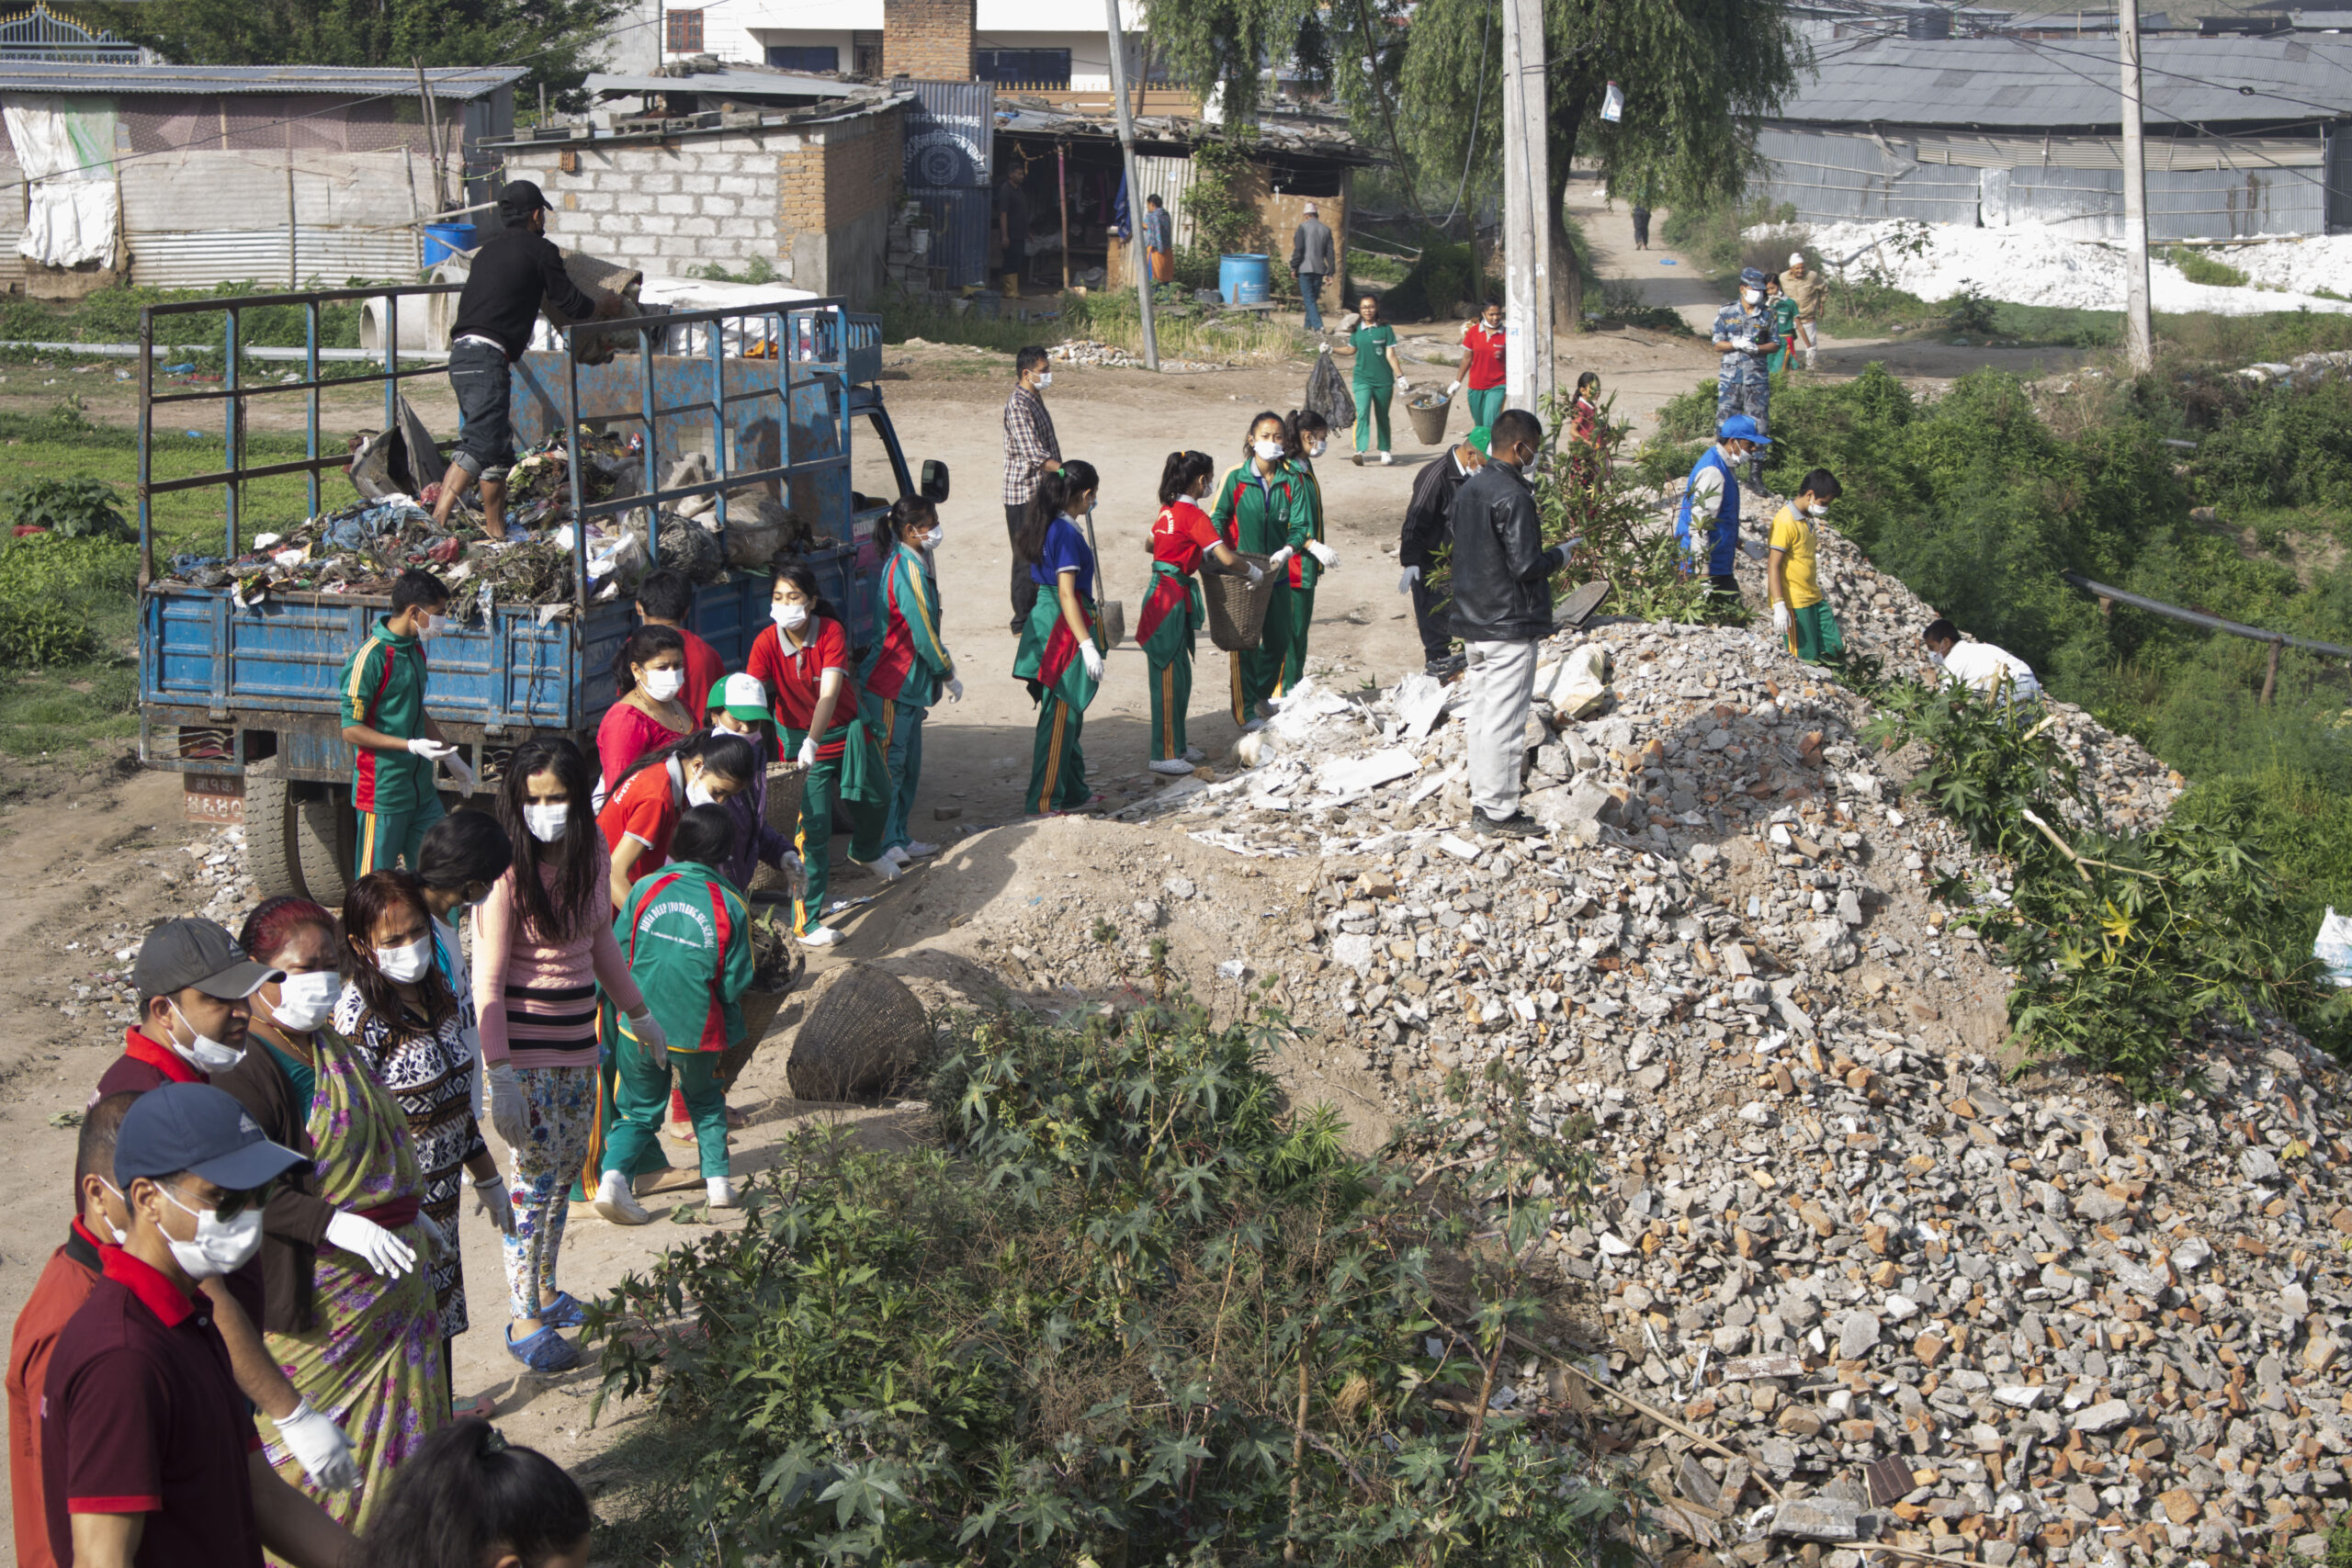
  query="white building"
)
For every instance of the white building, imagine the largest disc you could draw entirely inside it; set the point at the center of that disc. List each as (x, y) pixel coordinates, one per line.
(1050, 44)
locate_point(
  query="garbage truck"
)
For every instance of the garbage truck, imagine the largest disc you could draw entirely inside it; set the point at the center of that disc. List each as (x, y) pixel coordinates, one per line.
(236, 683)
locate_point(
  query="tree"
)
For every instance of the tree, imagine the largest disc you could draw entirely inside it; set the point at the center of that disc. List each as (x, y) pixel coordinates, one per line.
(1221, 48)
(1696, 74)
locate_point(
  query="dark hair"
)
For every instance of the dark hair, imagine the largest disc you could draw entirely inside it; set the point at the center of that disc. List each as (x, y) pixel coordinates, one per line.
(94, 1149)
(1941, 630)
(705, 833)
(1182, 472)
(803, 576)
(273, 922)
(372, 897)
(1301, 424)
(417, 586)
(463, 848)
(1822, 485)
(1514, 426)
(1152, 200)
(720, 751)
(1028, 359)
(579, 894)
(1590, 378)
(642, 647)
(465, 1493)
(665, 595)
(1250, 431)
(907, 512)
(1051, 499)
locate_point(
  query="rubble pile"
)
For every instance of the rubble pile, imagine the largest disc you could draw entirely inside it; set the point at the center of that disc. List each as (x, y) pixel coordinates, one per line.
(1110, 356)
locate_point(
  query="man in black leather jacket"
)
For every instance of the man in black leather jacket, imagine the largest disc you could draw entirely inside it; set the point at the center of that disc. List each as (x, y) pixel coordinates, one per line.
(1502, 610)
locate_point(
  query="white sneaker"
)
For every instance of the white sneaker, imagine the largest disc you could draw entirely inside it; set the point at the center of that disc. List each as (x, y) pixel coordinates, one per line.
(915, 849)
(1386, 461)
(1174, 767)
(720, 1191)
(823, 936)
(1195, 756)
(885, 867)
(896, 855)
(618, 1203)
(1254, 726)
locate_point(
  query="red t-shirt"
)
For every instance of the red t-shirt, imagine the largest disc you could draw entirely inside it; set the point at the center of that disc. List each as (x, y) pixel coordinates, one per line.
(1484, 371)
(1182, 536)
(705, 668)
(67, 1281)
(794, 676)
(646, 810)
(140, 1415)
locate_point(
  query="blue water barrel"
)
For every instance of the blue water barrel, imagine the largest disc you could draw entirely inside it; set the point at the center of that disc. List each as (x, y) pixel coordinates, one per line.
(442, 241)
(1245, 280)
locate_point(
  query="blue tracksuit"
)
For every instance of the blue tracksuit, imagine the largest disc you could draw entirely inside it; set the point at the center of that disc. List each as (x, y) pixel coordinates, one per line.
(1726, 513)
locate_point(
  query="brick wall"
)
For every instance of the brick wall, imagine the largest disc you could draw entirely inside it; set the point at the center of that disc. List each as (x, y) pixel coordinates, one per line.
(931, 40)
(834, 196)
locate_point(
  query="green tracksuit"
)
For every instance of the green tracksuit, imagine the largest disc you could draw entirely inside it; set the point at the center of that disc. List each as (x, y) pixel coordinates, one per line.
(862, 774)
(1258, 514)
(687, 933)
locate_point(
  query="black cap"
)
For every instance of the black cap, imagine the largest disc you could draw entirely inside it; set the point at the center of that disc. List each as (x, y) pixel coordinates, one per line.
(195, 952)
(521, 198)
(195, 1127)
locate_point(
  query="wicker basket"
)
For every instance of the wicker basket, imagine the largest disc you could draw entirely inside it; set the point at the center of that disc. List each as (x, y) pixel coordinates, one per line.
(785, 780)
(1429, 420)
(1236, 608)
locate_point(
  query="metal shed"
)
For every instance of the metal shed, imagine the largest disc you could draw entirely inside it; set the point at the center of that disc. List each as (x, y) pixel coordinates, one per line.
(2246, 136)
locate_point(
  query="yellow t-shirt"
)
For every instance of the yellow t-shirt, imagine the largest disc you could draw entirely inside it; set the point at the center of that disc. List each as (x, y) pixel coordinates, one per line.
(1794, 536)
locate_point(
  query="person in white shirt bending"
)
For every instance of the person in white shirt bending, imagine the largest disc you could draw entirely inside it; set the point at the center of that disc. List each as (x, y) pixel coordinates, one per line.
(1979, 665)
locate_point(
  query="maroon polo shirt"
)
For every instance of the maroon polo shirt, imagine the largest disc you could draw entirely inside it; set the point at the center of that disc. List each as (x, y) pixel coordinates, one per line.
(144, 1064)
(140, 1415)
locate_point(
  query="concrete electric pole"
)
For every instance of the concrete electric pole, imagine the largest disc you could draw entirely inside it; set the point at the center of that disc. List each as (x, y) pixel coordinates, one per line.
(2139, 332)
(1527, 220)
(1138, 257)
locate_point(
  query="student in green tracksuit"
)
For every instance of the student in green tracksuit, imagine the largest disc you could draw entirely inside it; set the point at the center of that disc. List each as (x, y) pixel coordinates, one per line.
(397, 745)
(1260, 510)
(1377, 372)
(1291, 615)
(686, 933)
(1060, 656)
(1182, 537)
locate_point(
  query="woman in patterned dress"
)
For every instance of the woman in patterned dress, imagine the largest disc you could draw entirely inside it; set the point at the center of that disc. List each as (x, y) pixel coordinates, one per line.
(398, 1012)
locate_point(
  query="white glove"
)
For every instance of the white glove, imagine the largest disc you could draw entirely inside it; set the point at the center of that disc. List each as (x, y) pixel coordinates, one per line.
(1091, 657)
(507, 1113)
(1279, 557)
(647, 1030)
(954, 691)
(1322, 348)
(1257, 572)
(809, 752)
(459, 771)
(1405, 584)
(378, 1248)
(1780, 617)
(1451, 387)
(431, 750)
(324, 1452)
(795, 873)
(1325, 556)
(489, 1198)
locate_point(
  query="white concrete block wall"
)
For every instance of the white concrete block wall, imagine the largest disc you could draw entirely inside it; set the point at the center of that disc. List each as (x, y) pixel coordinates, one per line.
(707, 203)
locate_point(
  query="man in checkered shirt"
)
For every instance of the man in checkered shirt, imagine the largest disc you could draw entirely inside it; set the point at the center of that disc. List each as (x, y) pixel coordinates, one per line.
(1030, 453)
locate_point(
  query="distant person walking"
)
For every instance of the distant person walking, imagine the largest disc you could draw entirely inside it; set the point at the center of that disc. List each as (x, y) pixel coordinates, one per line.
(1160, 240)
(1743, 335)
(1805, 286)
(1378, 371)
(1031, 452)
(1783, 312)
(1641, 227)
(1482, 365)
(1314, 257)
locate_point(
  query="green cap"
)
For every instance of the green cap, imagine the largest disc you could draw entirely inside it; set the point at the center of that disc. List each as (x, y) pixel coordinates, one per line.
(742, 695)
(1480, 437)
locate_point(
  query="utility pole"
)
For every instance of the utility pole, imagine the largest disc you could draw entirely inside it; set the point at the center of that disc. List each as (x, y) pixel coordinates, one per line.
(1527, 221)
(2139, 332)
(1138, 257)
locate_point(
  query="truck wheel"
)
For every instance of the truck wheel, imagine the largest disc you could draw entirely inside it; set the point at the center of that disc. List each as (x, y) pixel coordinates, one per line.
(269, 836)
(323, 840)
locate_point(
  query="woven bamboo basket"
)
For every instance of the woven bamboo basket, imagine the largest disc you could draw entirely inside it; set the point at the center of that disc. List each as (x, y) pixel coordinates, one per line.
(785, 780)
(1238, 610)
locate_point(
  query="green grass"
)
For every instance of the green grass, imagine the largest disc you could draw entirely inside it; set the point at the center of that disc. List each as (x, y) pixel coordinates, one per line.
(1185, 332)
(2199, 268)
(111, 315)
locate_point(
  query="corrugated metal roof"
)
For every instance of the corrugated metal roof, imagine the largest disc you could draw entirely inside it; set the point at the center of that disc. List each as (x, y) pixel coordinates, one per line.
(448, 80)
(729, 84)
(2055, 83)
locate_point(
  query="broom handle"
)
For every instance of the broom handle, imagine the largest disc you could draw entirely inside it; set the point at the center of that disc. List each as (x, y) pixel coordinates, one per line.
(1102, 578)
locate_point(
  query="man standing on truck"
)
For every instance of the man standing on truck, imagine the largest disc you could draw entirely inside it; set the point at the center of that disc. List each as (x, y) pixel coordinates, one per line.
(515, 270)
(398, 745)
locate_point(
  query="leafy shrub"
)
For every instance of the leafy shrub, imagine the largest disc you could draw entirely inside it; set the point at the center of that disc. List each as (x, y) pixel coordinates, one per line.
(79, 508)
(1688, 416)
(2199, 268)
(1713, 234)
(2283, 446)
(53, 590)
(1970, 310)
(1136, 1312)
(1444, 278)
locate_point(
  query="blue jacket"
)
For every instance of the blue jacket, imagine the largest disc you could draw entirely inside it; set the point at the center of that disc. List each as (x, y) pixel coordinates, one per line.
(1726, 513)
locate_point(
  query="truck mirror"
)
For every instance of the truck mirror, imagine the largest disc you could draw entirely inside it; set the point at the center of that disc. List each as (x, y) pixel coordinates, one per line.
(934, 480)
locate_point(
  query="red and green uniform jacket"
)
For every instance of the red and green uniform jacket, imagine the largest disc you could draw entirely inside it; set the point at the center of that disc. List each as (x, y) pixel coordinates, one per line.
(688, 934)
(383, 686)
(909, 663)
(1260, 516)
(1179, 538)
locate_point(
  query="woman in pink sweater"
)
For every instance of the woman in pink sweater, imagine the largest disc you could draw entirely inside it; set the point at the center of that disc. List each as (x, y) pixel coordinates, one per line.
(543, 944)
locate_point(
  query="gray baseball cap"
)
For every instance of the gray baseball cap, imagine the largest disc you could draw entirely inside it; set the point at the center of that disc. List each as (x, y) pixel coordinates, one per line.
(195, 953)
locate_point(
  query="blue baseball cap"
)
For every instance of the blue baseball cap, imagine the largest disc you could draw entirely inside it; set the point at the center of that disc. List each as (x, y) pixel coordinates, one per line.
(196, 1128)
(1751, 278)
(1741, 427)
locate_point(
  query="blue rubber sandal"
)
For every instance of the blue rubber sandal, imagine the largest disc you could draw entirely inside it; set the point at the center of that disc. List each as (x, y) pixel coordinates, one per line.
(562, 1312)
(543, 1350)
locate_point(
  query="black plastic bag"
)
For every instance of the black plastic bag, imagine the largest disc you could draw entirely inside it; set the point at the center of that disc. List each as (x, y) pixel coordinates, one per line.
(1328, 394)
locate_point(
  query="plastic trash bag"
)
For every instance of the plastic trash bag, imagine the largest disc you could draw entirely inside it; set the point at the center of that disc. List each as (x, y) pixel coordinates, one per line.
(2333, 947)
(1328, 394)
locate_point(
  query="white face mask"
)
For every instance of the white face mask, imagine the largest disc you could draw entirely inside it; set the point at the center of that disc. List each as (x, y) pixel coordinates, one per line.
(1044, 379)
(305, 1000)
(791, 617)
(1937, 660)
(546, 821)
(405, 965)
(222, 1246)
(121, 1237)
(931, 540)
(204, 1052)
(1315, 448)
(1268, 450)
(698, 796)
(423, 624)
(663, 684)
(1751, 296)
(1816, 510)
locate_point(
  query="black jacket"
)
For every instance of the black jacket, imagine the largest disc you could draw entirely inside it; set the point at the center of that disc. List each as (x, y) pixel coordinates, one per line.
(1500, 565)
(294, 1221)
(1429, 516)
(514, 271)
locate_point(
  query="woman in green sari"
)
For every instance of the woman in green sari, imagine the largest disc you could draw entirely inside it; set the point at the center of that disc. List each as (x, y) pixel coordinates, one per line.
(347, 1253)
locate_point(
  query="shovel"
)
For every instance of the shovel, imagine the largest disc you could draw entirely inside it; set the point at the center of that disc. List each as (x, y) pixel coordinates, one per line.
(1111, 613)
